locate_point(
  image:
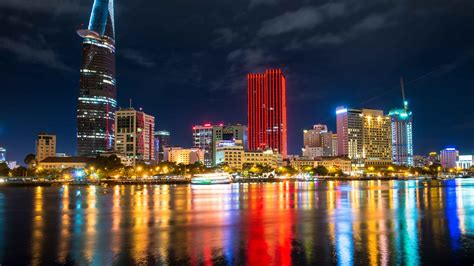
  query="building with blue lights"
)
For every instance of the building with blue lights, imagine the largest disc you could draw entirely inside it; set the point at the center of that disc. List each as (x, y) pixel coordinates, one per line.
(449, 157)
(3, 155)
(97, 95)
(402, 136)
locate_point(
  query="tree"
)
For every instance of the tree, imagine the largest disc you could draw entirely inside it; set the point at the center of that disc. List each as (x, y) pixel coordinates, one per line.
(30, 160)
(320, 170)
(20, 171)
(4, 170)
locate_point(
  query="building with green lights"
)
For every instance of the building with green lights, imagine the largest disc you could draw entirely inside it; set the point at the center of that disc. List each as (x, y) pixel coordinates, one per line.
(402, 136)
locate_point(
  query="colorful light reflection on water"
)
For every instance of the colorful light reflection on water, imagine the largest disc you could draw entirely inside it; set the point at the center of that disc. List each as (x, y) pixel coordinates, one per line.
(345, 223)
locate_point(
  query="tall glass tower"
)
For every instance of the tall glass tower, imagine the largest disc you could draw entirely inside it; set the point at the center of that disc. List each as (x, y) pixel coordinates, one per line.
(97, 95)
(402, 136)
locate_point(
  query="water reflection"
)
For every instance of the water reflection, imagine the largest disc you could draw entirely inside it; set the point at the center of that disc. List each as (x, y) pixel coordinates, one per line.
(345, 223)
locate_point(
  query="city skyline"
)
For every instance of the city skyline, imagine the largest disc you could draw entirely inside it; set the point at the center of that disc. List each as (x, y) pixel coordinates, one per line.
(312, 99)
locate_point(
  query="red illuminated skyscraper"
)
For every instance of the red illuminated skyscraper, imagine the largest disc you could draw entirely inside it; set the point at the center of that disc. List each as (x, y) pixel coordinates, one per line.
(266, 107)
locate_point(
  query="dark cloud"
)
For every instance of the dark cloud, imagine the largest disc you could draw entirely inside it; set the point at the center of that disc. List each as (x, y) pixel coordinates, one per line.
(46, 6)
(137, 57)
(225, 36)
(255, 3)
(33, 51)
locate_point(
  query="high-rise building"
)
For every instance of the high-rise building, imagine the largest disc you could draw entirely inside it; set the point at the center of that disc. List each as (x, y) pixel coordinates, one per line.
(334, 145)
(449, 157)
(377, 144)
(312, 137)
(45, 146)
(266, 110)
(134, 135)
(97, 94)
(349, 132)
(317, 141)
(205, 137)
(230, 132)
(3, 155)
(402, 136)
(202, 139)
(162, 140)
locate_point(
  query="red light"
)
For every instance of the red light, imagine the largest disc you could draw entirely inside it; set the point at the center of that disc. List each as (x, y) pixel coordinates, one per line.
(207, 125)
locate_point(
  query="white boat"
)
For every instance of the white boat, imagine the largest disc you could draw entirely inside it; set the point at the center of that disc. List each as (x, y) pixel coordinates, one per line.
(211, 179)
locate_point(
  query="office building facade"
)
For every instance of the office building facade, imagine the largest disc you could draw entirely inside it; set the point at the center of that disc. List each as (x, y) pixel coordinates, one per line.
(162, 140)
(449, 157)
(349, 132)
(266, 110)
(402, 136)
(45, 146)
(377, 138)
(135, 135)
(97, 93)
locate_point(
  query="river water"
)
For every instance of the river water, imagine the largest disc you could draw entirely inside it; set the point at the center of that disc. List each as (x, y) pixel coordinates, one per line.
(325, 222)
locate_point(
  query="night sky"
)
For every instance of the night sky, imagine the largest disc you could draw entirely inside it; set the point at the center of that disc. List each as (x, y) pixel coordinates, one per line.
(185, 62)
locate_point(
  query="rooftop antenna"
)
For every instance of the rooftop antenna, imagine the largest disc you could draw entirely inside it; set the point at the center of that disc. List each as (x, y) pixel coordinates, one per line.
(130, 103)
(402, 86)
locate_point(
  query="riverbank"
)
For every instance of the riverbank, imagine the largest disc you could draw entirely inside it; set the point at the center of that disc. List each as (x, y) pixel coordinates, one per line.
(113, 182)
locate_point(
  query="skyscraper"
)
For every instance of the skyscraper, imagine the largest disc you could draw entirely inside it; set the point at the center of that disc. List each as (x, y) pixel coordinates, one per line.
(377, 144)
(45, 146)
(134, 135)
(97, 94)
(202, 139)
(349, 132)
(266, 111)
(402, 136)
(448, 157)
(162, 140)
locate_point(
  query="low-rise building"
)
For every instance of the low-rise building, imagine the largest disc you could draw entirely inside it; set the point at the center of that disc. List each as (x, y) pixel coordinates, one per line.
(268, 157)
(230, 153)
(181, 155)
(59, 163)
(336, 163)
(465, 162)
(331, 163)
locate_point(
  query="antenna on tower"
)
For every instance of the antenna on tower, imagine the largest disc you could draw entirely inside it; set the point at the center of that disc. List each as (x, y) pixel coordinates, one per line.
(402, 87)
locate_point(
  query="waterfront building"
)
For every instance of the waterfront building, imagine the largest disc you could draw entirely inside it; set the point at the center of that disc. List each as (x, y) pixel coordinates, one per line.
(449, 157)
(162, 140)
(231, 132)
(433, 158)
(231, 153)
(3, 155)
(268, 157)
(312, 137)
(329, 162)
(134, 135)
(266, 111)
(313, 152)
(97, 90)
(45, 146)
(349, 133)
(206, 137)
(420, 161)
(334, 145)
(202, 139)
(402, 136)
(377, 138)
(317, 141)
(60, 163)
(465, 162)
(181, 155)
